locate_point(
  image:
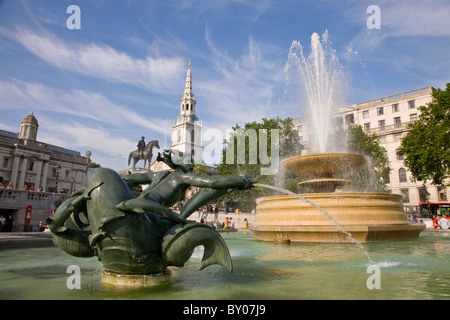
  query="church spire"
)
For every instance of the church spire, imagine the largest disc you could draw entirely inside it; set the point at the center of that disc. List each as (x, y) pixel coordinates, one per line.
(188, 101)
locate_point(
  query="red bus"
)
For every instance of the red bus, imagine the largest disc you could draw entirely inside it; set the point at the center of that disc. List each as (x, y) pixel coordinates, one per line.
(430, 209)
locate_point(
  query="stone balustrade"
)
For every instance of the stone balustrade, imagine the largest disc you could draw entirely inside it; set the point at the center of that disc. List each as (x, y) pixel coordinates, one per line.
(17, 199)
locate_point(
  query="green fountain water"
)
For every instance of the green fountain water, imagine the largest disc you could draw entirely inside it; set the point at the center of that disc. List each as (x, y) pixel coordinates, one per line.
(413, 269)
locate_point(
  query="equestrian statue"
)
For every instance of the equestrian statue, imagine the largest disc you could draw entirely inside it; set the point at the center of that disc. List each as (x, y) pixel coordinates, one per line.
(143, 152)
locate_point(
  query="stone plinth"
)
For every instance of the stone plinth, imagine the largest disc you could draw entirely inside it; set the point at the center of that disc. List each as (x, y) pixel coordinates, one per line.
(136, 280)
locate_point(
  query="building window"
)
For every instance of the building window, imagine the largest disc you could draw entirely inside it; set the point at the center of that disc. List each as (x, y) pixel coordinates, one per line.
(30, 166)
(366, 114)
(423, 195)
(402, 175)
(399, 156)
(386, 178)
(367, 127)
(300, 128)
(405, 194)
(442, 193)
(349, 119)
(413, 117)
(411, 104)
(380, 111)
(397, 122)
(397, 137)
(178, 135)
(5, 162)
(381, 125)
(395, 108)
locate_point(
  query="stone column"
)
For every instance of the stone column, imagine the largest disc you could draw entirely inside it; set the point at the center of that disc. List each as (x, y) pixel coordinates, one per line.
(45, 175)
(38, 174)
(15, 170)
(23, 172)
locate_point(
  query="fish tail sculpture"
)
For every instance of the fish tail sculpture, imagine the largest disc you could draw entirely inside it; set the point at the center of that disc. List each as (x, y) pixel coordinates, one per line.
(180, 241)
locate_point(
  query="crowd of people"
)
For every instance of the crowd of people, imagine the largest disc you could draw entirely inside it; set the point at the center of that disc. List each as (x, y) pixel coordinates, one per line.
(228, 223)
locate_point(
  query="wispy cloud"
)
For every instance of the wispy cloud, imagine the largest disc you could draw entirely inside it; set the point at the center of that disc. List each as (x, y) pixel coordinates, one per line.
(160, 74)
(77, 104)
(242, 88)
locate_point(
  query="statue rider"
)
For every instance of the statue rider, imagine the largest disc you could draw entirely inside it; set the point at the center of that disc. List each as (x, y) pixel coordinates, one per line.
(141, 147)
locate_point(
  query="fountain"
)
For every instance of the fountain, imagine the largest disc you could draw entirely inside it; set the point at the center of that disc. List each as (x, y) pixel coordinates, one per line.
(366, 216)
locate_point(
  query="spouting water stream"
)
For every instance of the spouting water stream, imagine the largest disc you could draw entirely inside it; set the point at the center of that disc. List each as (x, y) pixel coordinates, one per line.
(330, 217)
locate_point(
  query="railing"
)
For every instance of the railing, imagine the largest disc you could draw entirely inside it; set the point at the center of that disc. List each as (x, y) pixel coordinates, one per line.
(15, 199)
(393, 127)
(395, 97)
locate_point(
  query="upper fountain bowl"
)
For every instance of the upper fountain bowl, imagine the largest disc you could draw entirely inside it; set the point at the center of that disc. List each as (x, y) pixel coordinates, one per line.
(324, 165)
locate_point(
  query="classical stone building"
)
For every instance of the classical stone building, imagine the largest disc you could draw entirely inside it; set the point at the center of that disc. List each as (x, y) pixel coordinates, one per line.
(41, 174)
(388, 117)
(29, 163)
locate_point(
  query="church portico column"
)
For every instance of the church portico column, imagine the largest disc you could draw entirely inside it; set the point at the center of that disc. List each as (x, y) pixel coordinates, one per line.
(23, 172)
(15, 170)
(45, 175)
(38, 173)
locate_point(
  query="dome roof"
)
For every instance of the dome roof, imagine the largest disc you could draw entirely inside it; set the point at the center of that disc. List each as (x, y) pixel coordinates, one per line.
(31, 119)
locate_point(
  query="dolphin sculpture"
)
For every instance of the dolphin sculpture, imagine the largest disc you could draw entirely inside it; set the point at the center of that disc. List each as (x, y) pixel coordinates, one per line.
(139, 235)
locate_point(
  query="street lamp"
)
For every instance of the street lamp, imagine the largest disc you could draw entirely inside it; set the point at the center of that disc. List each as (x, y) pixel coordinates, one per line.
(57, 169)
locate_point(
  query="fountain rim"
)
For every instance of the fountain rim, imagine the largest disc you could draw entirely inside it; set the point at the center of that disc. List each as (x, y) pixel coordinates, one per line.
(333, 195)
(292, 163)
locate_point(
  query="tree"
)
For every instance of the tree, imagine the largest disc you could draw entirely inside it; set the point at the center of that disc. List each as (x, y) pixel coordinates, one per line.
(289, 145)
(371, 177)
(426, 147)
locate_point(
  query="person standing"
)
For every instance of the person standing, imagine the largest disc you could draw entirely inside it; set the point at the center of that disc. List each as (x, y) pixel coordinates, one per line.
(2, 223)
(443, 223)
(9, 224)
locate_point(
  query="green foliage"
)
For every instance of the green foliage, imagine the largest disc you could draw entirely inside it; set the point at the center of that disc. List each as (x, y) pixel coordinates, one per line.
(369, 178)
(289, 145)
(426, 147)
(93, 165)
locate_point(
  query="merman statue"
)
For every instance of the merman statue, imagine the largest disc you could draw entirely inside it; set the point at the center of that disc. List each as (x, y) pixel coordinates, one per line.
(140, 235)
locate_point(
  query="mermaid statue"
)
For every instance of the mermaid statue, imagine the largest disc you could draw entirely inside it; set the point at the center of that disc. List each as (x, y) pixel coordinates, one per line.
(139, 234)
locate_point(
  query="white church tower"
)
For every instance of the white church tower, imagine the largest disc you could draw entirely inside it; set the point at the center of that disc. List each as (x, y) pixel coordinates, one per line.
(187, 129)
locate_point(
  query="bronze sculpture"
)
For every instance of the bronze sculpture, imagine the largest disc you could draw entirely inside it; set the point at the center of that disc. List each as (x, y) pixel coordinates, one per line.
(144, 152)
(141, 235)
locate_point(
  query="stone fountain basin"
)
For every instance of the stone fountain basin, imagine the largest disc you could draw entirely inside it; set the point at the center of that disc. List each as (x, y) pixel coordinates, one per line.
(324, 165)
(367, 216)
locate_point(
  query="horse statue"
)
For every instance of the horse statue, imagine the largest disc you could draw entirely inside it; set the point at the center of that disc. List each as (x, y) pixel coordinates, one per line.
(147, 154)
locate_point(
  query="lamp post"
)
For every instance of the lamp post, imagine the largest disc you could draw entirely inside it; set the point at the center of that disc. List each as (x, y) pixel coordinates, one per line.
(57, 169)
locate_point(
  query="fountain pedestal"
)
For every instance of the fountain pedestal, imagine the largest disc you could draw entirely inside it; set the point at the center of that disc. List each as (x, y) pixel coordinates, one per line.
(367, 216)
(139, 280)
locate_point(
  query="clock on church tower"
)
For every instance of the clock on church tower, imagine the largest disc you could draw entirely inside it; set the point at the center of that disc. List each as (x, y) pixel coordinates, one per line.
(187, 129)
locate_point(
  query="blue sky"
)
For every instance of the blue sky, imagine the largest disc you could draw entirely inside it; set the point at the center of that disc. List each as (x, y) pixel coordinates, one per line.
(121, 76)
